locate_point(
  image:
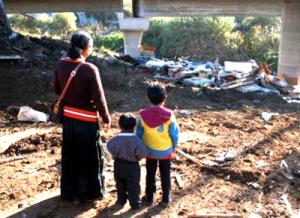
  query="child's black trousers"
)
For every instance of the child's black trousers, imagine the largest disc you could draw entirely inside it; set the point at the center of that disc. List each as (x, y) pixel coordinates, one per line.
(165, 176)
(127, 176)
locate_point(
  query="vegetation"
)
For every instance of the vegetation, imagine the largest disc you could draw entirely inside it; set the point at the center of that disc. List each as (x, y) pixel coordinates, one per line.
(205, 38)
(199, 38)
(113, 41)
(60, 25)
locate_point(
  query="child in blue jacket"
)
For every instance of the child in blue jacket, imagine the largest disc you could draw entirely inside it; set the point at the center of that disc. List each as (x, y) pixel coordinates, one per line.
(127, 150)
(158, 129)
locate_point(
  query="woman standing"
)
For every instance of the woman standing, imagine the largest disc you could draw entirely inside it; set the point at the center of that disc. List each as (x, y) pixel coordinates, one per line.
(81, 173)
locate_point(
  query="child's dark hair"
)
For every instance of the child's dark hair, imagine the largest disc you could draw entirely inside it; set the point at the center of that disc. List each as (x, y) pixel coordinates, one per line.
(156, 94)
(79, 42)
(127, 122)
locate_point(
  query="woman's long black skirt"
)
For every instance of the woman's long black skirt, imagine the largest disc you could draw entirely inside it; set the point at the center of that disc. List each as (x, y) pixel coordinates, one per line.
(82, 162)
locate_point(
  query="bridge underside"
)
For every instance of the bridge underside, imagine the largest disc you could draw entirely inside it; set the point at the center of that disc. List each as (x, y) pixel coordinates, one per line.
(39, 6)
(153, 8)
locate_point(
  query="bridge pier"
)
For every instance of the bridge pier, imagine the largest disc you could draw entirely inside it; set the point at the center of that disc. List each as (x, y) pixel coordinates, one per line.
(289, 56)
(133, 29)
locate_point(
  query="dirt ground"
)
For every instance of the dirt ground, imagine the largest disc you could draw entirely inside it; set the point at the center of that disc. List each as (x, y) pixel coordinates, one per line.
(258, 182)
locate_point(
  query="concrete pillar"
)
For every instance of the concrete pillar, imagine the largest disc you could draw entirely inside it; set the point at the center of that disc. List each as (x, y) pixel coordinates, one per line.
(289, 56)
(133, 29)
(132, 42)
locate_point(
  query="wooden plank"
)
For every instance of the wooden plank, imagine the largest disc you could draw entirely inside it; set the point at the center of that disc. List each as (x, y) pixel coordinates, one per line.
(188, 156)
(11, 159)
(219, 215)
(245, 83)
(236, 81)
(10, 57)
(179, 180)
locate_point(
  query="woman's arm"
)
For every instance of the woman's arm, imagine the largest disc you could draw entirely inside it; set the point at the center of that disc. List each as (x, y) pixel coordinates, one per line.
(98, 96)
(57, 87)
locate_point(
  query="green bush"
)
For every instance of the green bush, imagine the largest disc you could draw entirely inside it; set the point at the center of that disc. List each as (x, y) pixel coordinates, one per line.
(196, 38)
(205, 38)
(261, 38)
(113, 41)
(26, 24)
(58, 26)
(62, 25)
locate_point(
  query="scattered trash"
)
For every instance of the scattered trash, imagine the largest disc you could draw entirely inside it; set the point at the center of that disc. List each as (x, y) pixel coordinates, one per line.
(266, 116)
(10, 57)
(254, 185)
(257, 88)
(208, 107)
(296, 172)
(209, 163)
(179, 181)
(28, 114)
(185, 112)
(285, 170)
(283, 165)
(197, 81)
(242, 76)
(227, 178)
(260, 164)
(243, 67)
(225, 157)
(30, 171)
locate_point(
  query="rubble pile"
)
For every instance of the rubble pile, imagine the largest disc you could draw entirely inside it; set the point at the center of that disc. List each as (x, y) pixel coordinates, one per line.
(242, 76)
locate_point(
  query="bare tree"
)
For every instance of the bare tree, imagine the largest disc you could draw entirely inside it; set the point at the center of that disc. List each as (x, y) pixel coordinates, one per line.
(5, 27)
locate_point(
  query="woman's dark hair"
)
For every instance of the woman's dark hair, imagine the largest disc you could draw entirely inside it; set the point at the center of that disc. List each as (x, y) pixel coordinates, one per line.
(156, 94)
(79, 42)
(127, 122)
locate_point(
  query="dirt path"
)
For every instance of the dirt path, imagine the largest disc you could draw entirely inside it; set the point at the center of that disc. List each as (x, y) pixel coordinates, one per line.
(7, 140)
(254, 184)
(258, 182)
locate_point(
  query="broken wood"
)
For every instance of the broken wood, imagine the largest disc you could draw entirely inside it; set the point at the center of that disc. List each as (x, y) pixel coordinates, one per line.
(190, 157)
(11, 159)
(236, 81)
(219, 215)
(286, 201)
(239, 84)
(10, 57)
(17, 49)
(265, 68)
(178, 180)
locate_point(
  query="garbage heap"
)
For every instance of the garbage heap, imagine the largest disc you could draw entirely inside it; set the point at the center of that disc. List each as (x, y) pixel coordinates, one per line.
(242, 76)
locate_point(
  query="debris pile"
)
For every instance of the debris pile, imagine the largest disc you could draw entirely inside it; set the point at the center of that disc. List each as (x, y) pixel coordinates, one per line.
(242, 76)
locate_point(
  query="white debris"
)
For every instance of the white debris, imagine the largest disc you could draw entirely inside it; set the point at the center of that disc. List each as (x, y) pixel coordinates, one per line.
(226, 156)
(244, 67)
(256, 88)
(30, 115)
(254, 185)
(266, 116)
(185, 112)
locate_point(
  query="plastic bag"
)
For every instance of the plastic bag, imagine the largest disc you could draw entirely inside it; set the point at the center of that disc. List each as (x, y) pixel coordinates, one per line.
(30, 115)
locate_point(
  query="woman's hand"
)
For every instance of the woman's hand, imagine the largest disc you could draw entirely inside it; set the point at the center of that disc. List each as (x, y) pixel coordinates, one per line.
(107, 125)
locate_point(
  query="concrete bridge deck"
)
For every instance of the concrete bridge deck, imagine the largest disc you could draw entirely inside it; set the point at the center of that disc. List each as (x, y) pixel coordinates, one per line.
(151, 8)
(39, 6)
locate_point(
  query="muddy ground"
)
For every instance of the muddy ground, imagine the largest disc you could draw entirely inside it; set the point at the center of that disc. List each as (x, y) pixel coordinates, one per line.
(259, 182)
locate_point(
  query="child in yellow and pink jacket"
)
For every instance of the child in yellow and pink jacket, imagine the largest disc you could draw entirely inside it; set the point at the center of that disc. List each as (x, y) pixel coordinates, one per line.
(158, 128)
